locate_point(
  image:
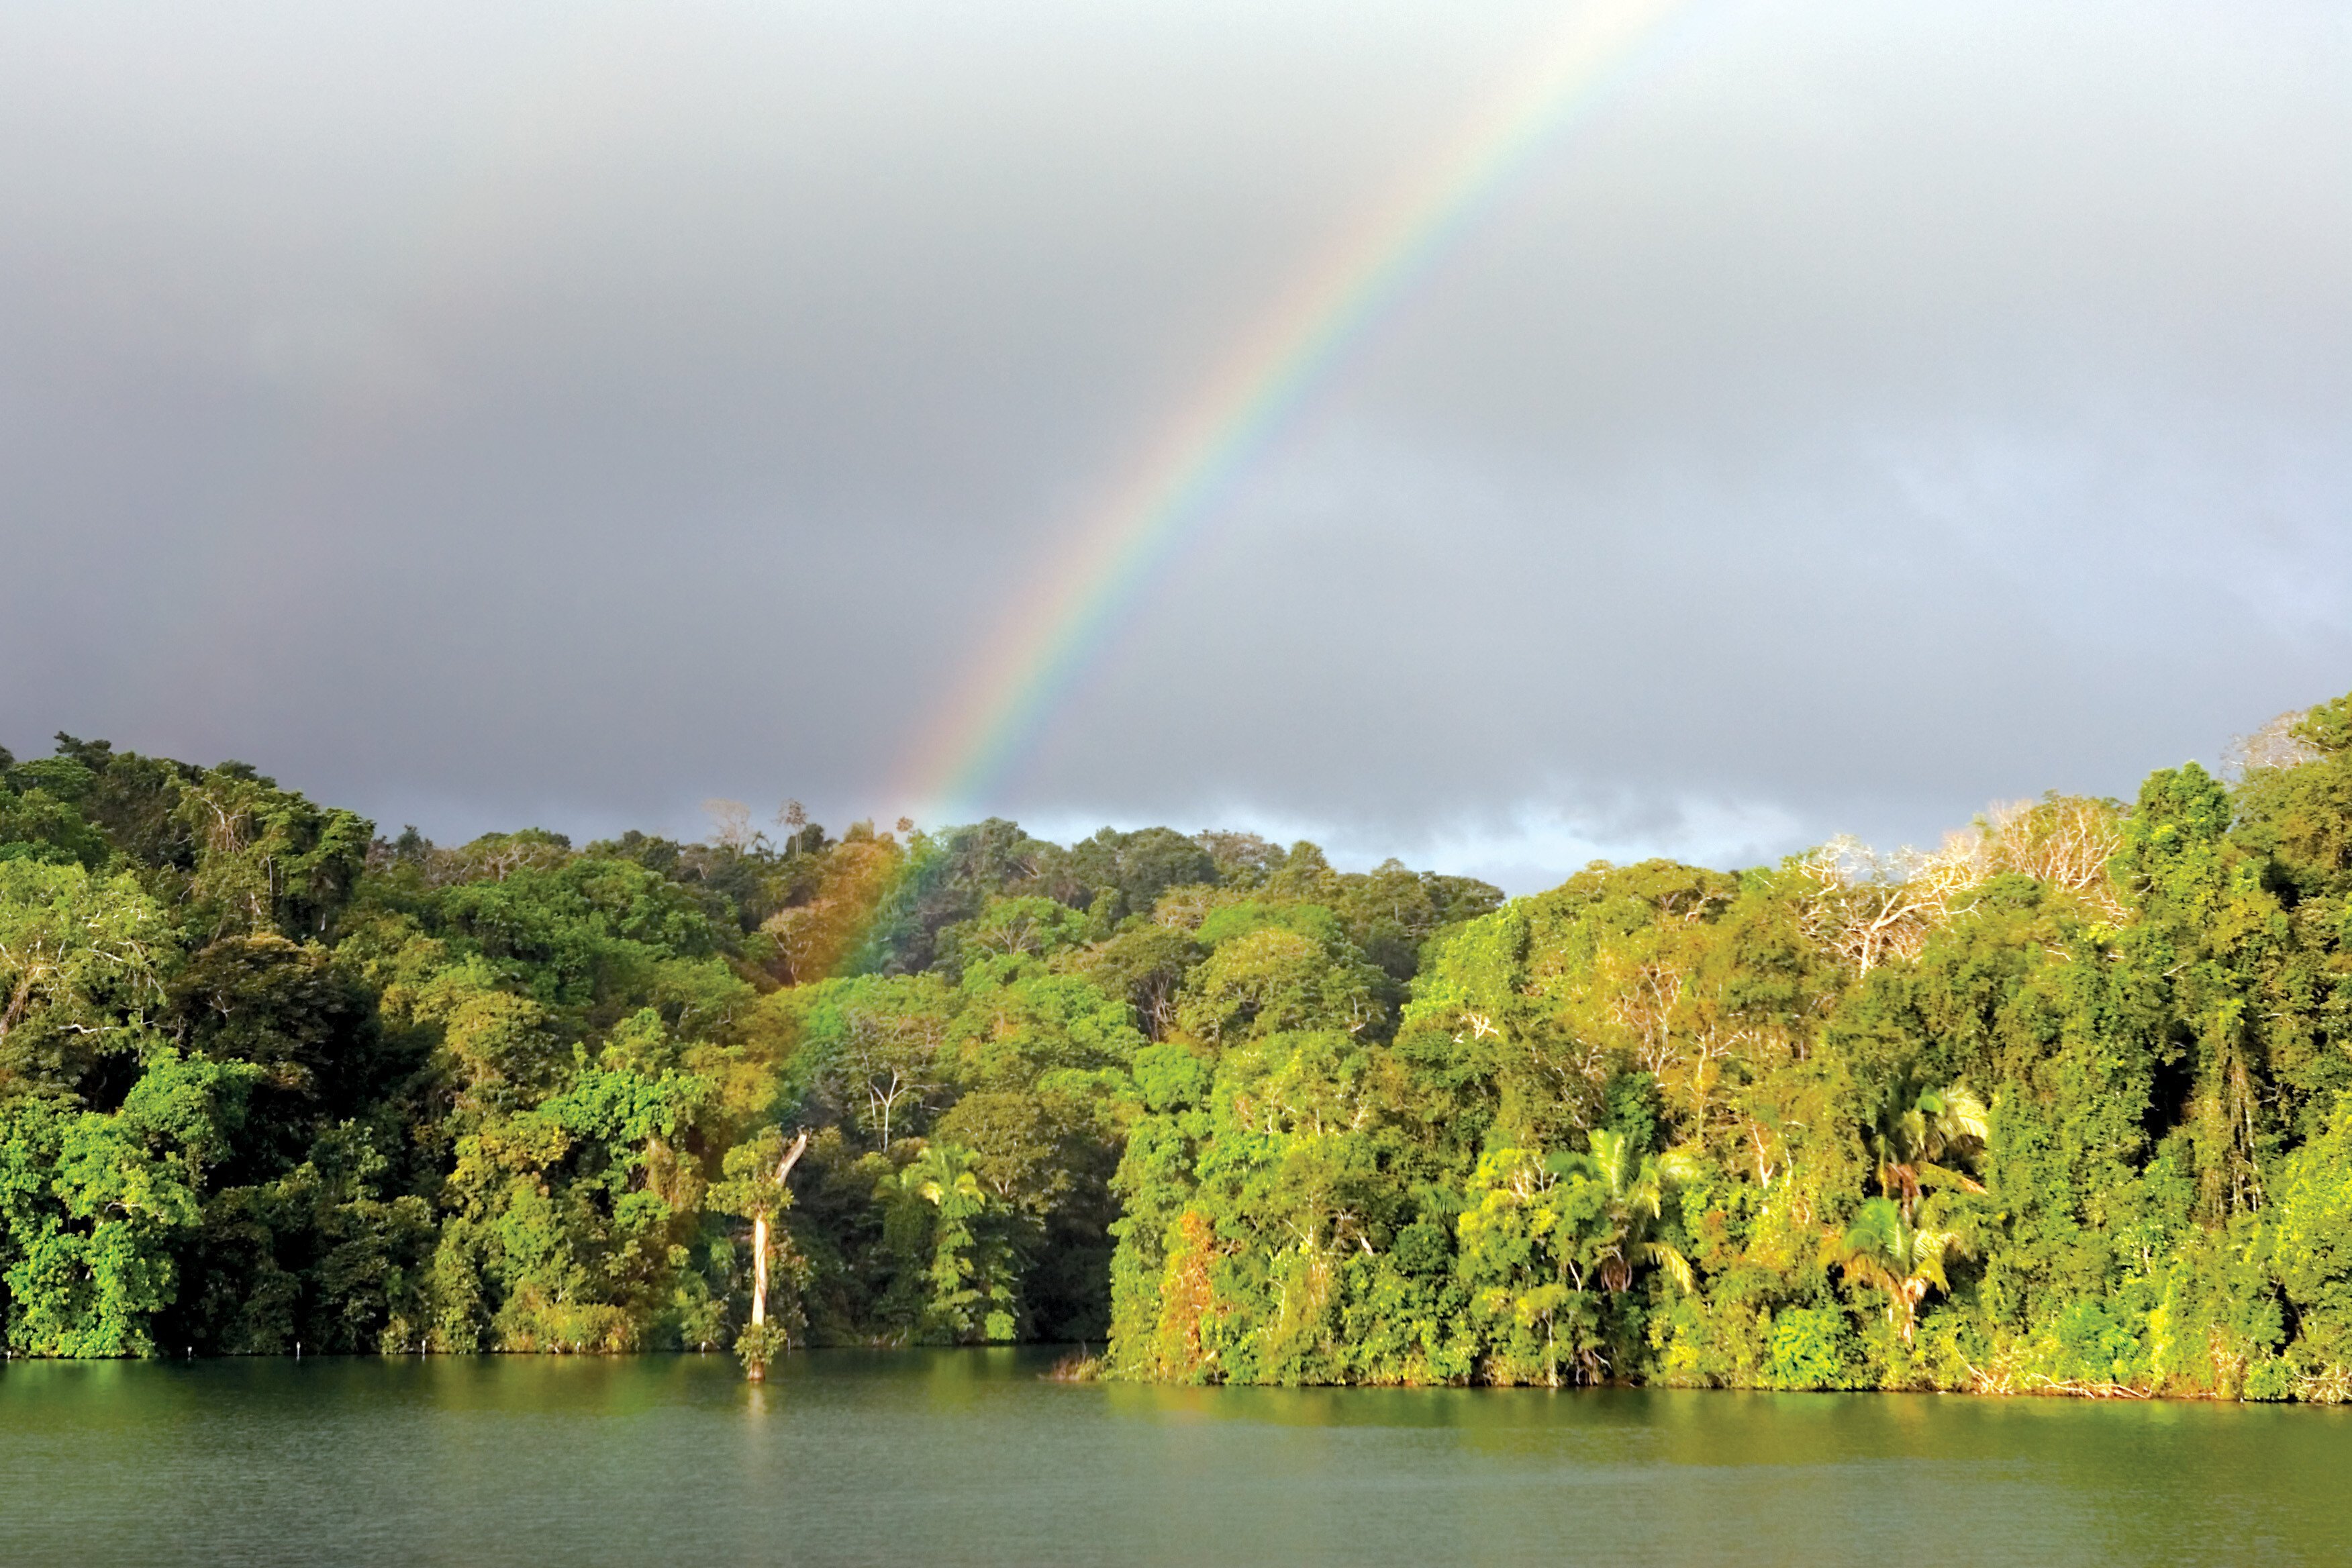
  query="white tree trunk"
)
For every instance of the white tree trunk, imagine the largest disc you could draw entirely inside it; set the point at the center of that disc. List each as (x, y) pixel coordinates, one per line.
(760, 1235)
(759, 1271)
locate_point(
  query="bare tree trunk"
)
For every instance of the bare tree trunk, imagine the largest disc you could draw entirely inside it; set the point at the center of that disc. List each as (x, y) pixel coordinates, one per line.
(760, 1248)
(758, 1270)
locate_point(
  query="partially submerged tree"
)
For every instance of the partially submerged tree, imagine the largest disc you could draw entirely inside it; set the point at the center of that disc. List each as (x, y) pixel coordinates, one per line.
(754, 1188)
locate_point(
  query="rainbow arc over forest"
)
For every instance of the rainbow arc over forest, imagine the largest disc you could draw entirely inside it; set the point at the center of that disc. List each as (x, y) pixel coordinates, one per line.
(1056, 632)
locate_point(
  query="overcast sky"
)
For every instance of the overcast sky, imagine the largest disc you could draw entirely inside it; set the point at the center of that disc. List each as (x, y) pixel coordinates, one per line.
(492, 415)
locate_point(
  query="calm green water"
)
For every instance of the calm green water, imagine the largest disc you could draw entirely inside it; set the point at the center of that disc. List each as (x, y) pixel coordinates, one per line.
(965, 1456)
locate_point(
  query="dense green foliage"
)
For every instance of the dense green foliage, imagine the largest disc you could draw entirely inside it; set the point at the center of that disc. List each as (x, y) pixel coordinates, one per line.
(2066, 1105)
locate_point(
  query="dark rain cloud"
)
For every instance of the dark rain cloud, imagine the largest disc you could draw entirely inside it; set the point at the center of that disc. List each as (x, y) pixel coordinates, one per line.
(487, 414)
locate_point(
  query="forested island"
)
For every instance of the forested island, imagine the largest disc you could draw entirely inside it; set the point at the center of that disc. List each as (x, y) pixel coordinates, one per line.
(2062, 1106)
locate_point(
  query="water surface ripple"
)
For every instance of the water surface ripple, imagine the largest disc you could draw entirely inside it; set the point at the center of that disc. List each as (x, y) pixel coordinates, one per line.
(968, 1458)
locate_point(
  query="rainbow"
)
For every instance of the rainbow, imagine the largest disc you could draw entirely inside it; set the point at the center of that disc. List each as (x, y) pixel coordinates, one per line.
(1057, 631)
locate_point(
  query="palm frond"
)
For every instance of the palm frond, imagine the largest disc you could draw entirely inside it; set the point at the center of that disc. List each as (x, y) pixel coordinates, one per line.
(1659, 1255)
(1682, 1166)
(1964, 1115)
(1944, 1176)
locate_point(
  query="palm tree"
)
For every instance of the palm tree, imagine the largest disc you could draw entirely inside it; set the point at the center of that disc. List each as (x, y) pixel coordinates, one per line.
(1883, 1249)
(944, 1176)
(1914, 1137)
(938, 1200)
(1635, 1191)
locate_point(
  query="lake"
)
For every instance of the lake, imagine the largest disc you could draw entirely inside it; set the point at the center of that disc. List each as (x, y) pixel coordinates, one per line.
(967, 1456)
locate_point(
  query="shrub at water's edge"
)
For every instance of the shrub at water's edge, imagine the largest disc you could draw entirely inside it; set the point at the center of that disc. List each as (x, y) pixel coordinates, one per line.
(2065, 1106)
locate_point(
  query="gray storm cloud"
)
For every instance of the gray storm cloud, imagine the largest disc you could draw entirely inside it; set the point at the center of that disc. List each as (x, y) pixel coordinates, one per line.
(553, 413)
